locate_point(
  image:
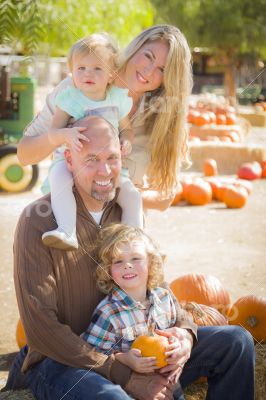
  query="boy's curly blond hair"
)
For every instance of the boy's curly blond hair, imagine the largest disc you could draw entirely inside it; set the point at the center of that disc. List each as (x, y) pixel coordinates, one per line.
(108, 247)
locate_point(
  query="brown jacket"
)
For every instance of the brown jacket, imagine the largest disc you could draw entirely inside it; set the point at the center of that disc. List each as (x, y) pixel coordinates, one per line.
(56, 290)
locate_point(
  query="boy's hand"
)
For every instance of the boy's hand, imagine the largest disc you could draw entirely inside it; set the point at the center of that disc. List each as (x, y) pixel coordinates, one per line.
(73, 137)
(135, 361)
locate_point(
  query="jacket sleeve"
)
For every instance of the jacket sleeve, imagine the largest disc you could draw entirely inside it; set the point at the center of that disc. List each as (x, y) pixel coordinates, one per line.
(36, 290)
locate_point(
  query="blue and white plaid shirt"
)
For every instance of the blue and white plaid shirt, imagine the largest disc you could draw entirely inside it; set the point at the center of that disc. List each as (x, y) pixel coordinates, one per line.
(118, 320)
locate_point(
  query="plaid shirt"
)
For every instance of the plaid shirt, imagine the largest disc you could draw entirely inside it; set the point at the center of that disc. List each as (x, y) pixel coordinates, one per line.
(118, 319)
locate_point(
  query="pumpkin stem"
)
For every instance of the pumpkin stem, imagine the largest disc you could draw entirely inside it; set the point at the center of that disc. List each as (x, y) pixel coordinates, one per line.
(252, 321)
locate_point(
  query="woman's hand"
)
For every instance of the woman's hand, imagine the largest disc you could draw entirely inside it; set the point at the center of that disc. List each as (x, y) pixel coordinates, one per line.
(178, 351)
(136, 362)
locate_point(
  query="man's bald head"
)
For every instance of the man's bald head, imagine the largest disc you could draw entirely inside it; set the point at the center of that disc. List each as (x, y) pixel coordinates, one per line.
(97, 127)
(96, 167)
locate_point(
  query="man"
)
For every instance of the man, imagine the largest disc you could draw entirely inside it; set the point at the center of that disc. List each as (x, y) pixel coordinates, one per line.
(56, 290)
(56, 295)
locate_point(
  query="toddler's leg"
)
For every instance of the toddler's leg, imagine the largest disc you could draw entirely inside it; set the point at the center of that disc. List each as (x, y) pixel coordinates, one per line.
(130, 201)
(64, 208)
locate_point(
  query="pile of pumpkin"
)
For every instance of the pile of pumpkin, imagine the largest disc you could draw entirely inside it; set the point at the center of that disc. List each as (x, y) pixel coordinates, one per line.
(209, 115)
(233, 192)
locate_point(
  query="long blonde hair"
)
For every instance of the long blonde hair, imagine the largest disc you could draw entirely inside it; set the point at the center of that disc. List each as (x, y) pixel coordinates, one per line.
(108, 247)
(168, 136)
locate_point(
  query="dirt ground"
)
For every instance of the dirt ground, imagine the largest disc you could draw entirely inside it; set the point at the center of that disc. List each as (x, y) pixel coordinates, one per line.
(230, 244)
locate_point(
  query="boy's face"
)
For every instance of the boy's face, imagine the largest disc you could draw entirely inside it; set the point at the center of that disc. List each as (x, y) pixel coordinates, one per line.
(91, 74)
(130, 269)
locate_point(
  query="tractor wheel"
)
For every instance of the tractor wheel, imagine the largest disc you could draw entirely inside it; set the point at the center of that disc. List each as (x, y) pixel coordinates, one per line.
(13, 176)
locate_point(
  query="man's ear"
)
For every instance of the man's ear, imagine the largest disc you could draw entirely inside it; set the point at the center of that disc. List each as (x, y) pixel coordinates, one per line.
(68, 158)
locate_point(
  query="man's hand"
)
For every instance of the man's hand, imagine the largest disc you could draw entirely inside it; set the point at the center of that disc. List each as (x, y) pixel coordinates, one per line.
(133, 360)
(149, 387)
(178, 351)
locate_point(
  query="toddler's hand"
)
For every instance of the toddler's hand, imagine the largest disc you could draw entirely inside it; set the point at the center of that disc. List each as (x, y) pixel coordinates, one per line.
(73, 137)
(126, 147)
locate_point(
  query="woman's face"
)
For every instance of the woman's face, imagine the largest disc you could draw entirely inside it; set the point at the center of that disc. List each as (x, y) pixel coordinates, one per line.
(144, 71)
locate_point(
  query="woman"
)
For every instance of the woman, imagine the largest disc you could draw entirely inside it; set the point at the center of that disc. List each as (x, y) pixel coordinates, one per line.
(156, 68)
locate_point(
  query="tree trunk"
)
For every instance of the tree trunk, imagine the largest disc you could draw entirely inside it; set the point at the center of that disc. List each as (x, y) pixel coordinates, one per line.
(229, 79)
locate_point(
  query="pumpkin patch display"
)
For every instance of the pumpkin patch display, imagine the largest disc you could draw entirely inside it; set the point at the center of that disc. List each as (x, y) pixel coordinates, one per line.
(250, 312)
(202, 289)
(20, 335)
(205, 315)
(152, 346)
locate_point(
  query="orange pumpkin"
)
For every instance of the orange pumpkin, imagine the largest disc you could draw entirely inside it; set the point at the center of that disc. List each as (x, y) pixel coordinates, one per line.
(202, 289)
(244, 183)
(210, 167)
(202, 119)
(199, 193)
(220, 119)
(215, 184)
(250, 312)
(20, 335)
(235, 197)
(152, 346)
(185, 182)
(230, 119)
(192, 115)
(178, 194)
(205, 315)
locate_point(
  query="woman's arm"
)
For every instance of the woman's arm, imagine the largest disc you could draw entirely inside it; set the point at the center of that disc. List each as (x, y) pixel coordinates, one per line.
(35, 144)
(154, 200)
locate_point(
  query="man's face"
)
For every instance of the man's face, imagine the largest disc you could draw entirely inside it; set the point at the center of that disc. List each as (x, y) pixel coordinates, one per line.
(96, 168)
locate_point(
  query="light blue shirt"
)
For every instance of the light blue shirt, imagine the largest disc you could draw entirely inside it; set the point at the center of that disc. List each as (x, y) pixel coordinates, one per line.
(116, 105)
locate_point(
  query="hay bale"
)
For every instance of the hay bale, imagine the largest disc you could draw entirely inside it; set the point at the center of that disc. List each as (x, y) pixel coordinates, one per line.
(260, 372)
(229, 156)
(17, 395)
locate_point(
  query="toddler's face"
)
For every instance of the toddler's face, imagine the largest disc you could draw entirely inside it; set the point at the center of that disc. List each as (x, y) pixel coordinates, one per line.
(91, 75)
(130, 269)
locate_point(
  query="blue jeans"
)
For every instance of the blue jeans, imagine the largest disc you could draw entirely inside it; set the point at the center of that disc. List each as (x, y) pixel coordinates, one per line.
(224, 354)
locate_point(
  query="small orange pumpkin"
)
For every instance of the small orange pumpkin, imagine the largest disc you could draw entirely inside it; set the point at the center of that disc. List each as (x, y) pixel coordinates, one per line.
(205, 315)
(202, 289)
(210, 167)
(152, 346)
(250, 312)
(199, 193)
(235, 197)
(20, 335)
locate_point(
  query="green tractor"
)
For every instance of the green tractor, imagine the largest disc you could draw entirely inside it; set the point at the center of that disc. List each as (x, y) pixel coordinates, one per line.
(16, 111)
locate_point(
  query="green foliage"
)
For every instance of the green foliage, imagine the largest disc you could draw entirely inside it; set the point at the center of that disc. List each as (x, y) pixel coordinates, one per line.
(21, 26)
(237, 26)
(50, 27)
